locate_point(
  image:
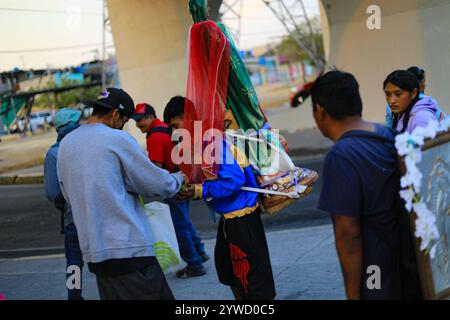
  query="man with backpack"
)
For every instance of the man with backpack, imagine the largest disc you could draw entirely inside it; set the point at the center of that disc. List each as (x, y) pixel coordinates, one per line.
(159, 148)
(66, 120)
(361, 182)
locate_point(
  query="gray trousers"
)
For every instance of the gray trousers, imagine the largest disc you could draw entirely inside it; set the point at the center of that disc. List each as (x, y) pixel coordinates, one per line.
(148, 283)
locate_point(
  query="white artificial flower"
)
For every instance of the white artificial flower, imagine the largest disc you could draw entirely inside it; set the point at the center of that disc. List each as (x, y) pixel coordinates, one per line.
(412, 158)
(432, 129)
(409, 146)
(413, 177)
(421, 210)
(433, 251)
(406, 181)
(419, 131)
(401, 144)
(416, 138)
(408, 196)
(445, 124)
(425, 225)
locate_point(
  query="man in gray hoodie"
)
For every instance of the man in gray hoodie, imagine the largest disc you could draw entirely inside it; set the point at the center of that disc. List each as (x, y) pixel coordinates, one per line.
(102, 170)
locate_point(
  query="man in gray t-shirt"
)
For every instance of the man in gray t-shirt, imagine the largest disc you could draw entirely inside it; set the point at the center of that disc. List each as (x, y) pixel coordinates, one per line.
(102, 170)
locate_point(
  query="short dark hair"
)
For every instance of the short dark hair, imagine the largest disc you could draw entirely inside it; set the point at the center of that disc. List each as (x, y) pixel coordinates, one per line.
(103, 112)
(338, 93)
(174, 108)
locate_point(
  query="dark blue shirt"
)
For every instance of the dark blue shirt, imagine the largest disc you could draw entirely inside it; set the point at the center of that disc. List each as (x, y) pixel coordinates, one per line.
(360, 180)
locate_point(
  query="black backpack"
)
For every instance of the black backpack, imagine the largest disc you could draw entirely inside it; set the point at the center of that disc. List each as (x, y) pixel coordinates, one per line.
(159, 129)
(408, 279)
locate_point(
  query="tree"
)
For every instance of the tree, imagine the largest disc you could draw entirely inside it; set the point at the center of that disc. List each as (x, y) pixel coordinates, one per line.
(66, 99)
(294, 17)
(289, 47)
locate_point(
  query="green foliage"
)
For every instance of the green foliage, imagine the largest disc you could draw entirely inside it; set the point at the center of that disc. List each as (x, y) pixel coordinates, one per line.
(289, 48)
(65, 99)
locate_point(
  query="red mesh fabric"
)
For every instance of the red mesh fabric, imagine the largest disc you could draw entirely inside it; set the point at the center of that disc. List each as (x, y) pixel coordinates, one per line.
(206, 93)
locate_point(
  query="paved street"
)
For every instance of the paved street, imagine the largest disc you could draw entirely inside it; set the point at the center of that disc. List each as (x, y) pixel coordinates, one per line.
(304, 263)
(300, 239)
(30, 225)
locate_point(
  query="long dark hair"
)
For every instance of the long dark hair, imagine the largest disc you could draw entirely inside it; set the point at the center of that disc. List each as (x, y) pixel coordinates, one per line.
(407, 81)
(418, 72)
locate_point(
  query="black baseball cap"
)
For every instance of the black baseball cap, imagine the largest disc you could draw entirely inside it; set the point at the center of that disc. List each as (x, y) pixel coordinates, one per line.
(142, 110)
(113, 98)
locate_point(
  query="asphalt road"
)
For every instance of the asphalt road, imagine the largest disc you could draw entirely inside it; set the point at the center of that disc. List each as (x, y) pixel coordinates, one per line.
(30, 225)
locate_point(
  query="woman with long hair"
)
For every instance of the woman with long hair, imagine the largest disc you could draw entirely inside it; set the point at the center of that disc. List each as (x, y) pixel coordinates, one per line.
(420, 75)
(409, 109)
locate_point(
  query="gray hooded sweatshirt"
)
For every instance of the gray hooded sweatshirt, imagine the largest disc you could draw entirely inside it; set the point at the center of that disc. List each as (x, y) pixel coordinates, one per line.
(423, 111)
(101, 172)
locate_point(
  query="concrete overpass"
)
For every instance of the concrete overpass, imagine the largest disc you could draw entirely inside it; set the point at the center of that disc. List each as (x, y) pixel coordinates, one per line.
(413, 32)
(151, 43)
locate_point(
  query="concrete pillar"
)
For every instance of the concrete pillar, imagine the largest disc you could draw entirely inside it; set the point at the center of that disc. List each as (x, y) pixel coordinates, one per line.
(414, 32)
(150, 38)
(151, 44)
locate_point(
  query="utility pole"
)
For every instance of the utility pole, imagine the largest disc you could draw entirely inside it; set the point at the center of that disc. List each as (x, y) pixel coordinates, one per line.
(291, 14)
(104, 23)
(24, 67)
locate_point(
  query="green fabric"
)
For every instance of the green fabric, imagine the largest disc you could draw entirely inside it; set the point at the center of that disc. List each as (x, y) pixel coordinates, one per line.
(198, 10)
(242, 98)
(7, 111)
(243, 101)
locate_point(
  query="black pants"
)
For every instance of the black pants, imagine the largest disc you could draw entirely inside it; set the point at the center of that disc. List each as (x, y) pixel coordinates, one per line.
(147, 283)
(242, 257)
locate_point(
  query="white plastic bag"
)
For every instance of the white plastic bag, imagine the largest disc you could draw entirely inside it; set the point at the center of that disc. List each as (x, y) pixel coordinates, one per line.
(165, 244)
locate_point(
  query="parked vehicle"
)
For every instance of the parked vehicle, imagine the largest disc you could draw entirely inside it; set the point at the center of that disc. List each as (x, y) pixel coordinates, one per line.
(37, 120)
(300, 93)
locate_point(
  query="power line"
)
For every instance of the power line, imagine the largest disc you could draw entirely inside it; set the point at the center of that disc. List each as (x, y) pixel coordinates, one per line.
(52, 49)
(266, 36)
(47, 11)
(261, 33)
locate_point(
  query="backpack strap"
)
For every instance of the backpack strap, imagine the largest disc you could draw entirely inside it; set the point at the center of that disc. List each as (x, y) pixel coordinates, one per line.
(370, 134)
(159, 129)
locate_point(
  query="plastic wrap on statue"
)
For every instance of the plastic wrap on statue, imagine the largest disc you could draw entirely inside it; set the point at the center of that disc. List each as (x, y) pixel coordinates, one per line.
(280, 181)
(285, 183)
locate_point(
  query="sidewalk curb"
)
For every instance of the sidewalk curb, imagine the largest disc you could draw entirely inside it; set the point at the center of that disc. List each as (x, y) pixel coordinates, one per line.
(37, 161)
(298, 154)
(10, 137)
(33, 178)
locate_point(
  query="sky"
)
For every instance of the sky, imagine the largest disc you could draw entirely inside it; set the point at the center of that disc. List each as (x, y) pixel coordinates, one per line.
(259, 24)
(57, 33)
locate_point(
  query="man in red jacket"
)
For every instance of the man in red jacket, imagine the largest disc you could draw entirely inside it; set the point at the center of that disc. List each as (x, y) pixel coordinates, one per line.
(159, 143)
(159, 147)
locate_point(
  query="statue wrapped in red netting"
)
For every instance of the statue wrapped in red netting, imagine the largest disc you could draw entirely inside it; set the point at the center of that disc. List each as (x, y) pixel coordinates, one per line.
(221, 97)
